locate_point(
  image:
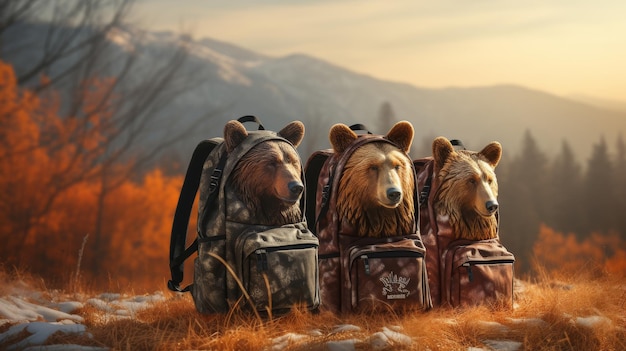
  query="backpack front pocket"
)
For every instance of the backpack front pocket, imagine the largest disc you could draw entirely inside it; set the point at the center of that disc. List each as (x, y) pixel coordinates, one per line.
(387, 273)
(279, 268)
(480, 272)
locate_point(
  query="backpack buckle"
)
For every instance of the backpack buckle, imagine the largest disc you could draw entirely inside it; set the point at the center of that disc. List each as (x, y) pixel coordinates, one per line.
(215, 179)
(325, 193)
(424, 194)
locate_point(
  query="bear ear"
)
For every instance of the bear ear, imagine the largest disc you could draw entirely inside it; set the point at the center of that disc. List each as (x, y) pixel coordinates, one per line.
(442, 149)
(294, 132)
(234, 134)
(492, 153)
(341, 136)
(402, 135)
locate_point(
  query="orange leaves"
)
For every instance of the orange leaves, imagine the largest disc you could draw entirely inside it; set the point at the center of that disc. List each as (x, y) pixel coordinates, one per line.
(139, 221)
(596, 253)
(55, 191)
(18, 132)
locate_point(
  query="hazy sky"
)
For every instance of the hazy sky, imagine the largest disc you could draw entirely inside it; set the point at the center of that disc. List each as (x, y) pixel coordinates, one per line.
(558, 46)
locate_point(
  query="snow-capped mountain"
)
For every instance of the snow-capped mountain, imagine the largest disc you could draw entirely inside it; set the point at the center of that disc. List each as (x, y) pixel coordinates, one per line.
(226, 81)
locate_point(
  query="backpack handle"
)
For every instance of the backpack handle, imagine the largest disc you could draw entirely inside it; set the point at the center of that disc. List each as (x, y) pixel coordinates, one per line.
(458, 143)
(250, 118)
(359, 127)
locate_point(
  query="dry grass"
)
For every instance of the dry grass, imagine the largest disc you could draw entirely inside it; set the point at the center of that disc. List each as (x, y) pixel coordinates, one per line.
(176, 325)
(546, 317)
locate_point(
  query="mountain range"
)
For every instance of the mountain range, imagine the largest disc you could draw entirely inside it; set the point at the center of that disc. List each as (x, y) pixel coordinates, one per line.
(230, 81)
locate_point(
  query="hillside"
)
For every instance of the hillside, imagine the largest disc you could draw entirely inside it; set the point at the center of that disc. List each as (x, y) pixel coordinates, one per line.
(230, 81)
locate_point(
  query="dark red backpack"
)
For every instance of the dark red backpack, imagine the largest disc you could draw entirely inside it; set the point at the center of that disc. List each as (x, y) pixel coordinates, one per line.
(359, 273)
(460, 272)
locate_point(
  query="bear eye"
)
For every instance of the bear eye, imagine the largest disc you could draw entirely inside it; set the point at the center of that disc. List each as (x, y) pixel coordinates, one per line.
(398, 167)
(274, 163)
(373, 168)
(472, 181)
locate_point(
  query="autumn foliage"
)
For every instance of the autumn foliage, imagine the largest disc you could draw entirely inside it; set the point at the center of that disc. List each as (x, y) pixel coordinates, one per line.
(597, 254)
(55, 216)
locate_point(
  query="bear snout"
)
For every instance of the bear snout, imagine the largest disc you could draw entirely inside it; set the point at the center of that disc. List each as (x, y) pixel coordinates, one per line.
(295, 188)
(394, 194)
(492, 206)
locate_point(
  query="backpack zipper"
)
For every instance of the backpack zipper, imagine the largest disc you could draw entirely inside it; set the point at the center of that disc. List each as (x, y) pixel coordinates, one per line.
(386, 254)
(261, 260)
(468, 265)
(261, 254)
(366, 262)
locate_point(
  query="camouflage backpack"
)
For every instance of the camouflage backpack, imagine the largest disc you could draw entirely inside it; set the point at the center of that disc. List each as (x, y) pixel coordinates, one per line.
(461, 272)
(239, 262)
(358, 273)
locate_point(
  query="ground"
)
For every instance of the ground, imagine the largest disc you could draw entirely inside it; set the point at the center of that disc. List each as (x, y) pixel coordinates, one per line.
(549, 314)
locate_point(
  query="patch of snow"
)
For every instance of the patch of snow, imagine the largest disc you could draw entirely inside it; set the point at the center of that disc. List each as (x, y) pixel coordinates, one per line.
(397, 338)
(283, 341)
(493, 326)
(121, 38)
(40, 331)
(503, 345)
(379, 341)
(17, 309)
(68, 306)
(100, 304)
(110, 296)
(44, 318)
(592, 321)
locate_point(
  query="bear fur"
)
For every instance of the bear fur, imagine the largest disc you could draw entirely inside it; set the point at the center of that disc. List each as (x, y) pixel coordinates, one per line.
(268, 178)
(468, 189)
(375, 194)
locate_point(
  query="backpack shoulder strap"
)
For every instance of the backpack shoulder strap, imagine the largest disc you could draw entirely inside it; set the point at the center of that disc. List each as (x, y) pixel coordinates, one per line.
(178, 252)
(312, 170)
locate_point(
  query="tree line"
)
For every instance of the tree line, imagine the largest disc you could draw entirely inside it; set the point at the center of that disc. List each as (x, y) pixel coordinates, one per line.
(563, 194)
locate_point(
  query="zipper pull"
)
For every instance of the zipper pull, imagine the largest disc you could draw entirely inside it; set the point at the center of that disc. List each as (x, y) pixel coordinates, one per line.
(366, 262)
(261, 260)
(469, 271)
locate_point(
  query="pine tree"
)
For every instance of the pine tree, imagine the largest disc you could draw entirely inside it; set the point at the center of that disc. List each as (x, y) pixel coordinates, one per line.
(600, 200)
(619, 179)
(522, 198)
(564, 212)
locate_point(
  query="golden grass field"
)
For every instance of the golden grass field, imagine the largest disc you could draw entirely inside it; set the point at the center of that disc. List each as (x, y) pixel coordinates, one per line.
(551, 313)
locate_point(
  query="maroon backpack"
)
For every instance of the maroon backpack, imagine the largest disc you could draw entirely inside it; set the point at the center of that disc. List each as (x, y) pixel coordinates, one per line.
(358, 273)
(460, 272)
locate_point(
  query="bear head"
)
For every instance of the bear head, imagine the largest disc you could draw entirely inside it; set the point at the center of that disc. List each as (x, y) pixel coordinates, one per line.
(268, 178)
(468, 188)
(375, 195)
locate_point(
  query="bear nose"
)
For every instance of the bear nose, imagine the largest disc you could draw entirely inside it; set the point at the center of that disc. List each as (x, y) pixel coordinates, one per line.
(492, 206)
(295, 187)
(394, 194)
